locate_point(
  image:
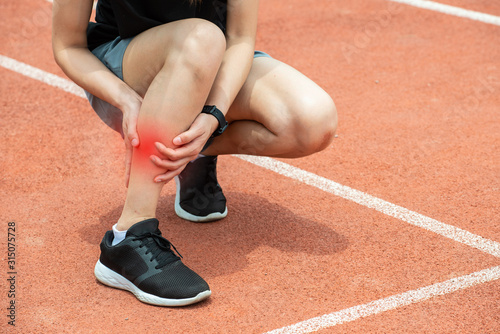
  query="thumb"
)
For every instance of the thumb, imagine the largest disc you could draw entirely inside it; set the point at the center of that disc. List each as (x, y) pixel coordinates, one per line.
(185, 137)
(177, 141)
(132, 134)
(134, 142)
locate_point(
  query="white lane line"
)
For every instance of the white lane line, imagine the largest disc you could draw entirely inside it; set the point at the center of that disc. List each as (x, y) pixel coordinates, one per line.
(451, 10)
(390, 303)
(437, 7)
(393, 210)
(40, 75)
(359, 197)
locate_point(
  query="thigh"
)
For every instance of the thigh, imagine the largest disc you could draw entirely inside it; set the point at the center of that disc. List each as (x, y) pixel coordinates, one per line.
(276, 94)
(148, 52)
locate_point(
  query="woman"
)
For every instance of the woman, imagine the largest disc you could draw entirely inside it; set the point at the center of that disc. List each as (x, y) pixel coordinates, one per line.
(181, 82)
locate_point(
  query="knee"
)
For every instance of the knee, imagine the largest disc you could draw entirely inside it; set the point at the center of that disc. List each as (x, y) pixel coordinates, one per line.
(199, 44)
(314, 123)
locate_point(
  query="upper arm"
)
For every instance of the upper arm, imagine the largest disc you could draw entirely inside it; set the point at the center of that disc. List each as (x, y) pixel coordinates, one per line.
(70, 19)
(242, 19)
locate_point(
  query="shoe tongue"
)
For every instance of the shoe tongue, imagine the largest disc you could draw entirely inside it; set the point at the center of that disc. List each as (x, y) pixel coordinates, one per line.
(145, 226)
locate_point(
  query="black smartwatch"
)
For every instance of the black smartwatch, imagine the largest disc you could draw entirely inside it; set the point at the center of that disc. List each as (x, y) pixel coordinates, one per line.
(212, 110)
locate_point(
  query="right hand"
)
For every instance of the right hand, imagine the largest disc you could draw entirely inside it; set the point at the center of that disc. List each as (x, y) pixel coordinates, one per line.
(187, 146)
(131, 138)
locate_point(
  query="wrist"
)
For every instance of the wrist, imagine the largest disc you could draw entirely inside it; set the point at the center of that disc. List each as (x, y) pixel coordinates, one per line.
(210, 121)
(128, 99)
(218, 116)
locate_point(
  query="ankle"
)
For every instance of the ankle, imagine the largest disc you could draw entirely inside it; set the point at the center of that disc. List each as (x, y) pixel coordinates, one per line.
(118, 235)
(124, 223)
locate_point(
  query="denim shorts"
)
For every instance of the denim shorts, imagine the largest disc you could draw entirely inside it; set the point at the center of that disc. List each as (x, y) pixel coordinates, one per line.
(111, 55)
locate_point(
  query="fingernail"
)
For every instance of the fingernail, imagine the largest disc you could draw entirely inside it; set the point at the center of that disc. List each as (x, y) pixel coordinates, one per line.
(135, 142)
(158, 180)
(177, 141)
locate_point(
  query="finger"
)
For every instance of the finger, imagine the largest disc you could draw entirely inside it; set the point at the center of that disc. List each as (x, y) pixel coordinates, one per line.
(132, 135)
(168, 175)
(178, 153)
(165, 151)
(170, 164)
(184, 152)
(193, 148)
(187, 136)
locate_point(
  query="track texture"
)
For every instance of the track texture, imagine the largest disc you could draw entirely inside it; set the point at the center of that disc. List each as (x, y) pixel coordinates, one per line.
(418, 99)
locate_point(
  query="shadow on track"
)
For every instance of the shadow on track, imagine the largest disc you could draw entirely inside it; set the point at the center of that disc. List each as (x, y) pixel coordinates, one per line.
(222, 247)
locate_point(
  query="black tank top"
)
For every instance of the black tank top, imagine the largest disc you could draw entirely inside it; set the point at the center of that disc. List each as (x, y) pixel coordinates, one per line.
(128, 18)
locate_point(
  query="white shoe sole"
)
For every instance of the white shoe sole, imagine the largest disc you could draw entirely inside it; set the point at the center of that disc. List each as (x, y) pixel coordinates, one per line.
(113, 279)
(186, 215)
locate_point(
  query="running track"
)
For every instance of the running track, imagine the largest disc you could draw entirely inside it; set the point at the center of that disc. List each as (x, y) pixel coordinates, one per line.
(393, 229)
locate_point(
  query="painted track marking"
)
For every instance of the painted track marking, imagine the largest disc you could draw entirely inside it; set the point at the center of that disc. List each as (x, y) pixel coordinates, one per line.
(356, 312)
(390, 303)
(438, 7)
(393, 210)
(385, 304)
(451, 10)
(359, 197)
(40, 75)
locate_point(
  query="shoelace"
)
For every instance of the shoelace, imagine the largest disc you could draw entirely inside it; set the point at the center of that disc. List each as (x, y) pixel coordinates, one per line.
(159, 247)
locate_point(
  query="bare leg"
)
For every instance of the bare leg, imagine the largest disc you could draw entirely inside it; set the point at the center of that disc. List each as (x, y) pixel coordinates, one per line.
(173, 66)
(279, 112)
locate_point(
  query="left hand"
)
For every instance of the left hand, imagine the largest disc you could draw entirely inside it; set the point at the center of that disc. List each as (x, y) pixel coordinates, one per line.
(187, 146)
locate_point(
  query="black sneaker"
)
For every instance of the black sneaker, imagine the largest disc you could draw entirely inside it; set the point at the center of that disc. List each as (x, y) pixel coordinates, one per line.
(144, 264)
(199, 197)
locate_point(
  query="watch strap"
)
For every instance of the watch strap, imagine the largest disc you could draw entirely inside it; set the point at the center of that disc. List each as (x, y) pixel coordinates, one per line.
(212, 110)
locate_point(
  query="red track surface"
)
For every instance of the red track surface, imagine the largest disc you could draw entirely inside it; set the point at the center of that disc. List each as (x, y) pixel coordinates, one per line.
(418, 99)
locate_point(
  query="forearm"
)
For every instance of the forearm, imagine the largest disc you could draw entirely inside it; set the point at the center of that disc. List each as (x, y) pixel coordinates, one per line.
(69, 44)
(81, 66)
(232, 73)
